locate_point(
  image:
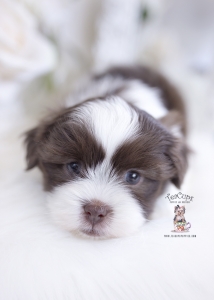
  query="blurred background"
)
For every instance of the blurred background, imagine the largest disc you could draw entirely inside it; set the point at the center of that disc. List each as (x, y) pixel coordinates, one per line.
(47, 46)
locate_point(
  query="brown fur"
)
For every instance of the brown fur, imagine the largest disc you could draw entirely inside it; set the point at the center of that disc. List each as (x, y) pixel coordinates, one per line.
(155, 153)
(170, 95)
(59, 141)
(158, 155)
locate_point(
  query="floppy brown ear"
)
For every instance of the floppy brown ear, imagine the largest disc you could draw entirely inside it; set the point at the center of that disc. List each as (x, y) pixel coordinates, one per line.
(175, 208)
(31, 146)
(35, 137)
(178, 156)
(174, 122)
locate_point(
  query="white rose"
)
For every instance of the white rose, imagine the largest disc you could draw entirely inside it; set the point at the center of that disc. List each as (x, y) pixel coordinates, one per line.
(24, 52)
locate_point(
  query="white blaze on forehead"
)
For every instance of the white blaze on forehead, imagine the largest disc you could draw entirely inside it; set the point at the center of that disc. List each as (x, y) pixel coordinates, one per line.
(112, 121)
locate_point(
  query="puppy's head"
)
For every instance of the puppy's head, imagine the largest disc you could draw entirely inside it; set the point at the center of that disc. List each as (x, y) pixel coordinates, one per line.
(104, 163)
(176, 209)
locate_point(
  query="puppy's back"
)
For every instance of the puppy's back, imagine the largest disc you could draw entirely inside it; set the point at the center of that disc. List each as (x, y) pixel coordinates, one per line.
(170, 96)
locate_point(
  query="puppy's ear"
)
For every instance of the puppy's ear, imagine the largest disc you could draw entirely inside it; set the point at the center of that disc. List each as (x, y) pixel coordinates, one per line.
(174, 122)
(176, 208)
(178, 155)
(35, 137)
(31, 146)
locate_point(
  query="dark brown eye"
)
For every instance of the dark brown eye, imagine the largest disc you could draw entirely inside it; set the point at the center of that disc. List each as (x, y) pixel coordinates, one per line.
(74, 167)
(132, 177)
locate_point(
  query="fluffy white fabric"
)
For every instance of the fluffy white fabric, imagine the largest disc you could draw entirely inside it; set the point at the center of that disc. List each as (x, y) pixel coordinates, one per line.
(38, 261)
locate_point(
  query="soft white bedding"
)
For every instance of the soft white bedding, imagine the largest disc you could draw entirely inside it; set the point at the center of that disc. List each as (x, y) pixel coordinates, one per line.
(38, 261)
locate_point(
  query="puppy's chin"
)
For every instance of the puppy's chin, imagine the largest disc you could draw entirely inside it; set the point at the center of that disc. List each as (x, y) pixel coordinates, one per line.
(100, 235)
(67, 210)
(93, 234)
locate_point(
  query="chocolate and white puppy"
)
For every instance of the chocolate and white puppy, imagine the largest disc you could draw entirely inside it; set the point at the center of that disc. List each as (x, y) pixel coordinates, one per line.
(111, 151)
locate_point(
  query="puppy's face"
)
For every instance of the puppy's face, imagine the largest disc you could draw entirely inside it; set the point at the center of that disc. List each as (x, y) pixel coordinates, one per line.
(104, 164)
(182, 210)
(179, 210)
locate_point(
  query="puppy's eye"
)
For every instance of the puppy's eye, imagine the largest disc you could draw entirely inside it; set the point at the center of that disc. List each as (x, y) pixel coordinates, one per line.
(73, 167)
(132, 177)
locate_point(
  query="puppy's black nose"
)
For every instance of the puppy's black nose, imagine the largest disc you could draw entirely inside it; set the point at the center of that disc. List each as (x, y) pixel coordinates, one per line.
(96, 213)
